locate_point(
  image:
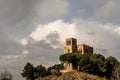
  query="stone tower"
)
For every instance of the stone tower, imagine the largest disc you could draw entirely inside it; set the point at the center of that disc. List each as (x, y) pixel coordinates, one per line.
(71, 45)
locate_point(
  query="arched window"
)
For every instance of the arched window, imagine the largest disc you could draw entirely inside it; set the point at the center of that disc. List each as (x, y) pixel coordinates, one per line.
(68, 42)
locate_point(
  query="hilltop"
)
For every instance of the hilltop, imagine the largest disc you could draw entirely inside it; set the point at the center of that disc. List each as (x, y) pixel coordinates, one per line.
(84, 67)
(73, 75)
(77, 63)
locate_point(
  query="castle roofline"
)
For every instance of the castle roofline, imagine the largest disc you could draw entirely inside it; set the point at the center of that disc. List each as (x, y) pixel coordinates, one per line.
(83, 45)
(70, 38)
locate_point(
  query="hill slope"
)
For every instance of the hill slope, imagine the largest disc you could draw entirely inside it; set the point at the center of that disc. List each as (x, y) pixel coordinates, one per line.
(74, 75)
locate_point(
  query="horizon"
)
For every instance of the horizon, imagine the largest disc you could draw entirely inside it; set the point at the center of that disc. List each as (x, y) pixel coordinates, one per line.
(35, 31)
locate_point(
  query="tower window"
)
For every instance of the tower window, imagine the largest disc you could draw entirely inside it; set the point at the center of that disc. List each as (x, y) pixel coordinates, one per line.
(68, 42)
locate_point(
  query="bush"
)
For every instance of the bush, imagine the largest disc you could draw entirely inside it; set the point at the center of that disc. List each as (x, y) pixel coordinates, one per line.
(55, 72)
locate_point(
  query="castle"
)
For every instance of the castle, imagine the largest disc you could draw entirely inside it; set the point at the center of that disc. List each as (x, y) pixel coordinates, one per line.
(72, 47)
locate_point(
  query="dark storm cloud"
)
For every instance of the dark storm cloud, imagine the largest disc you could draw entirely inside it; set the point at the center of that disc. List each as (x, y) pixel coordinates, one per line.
(17, 16)
(104, 11)
(109, 12)
(13, 11)
(20, 17)
(84, 8)
(8, 45)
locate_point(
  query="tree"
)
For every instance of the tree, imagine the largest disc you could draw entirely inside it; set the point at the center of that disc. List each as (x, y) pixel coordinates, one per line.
(55, 72)
(98, 64)
(40, 71)
(111, 62)
(56, 66)
(116, 73)
(70, 58)
(28, 72)
(5, 76)
(83, 62)
(55, 69)
(95, 64)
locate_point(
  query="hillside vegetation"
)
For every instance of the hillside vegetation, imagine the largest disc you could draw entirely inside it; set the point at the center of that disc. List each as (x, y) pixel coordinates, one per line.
(95, 64)
(85, 67)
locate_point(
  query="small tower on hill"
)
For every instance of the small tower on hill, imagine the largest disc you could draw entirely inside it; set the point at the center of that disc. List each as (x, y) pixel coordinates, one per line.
(71, 45)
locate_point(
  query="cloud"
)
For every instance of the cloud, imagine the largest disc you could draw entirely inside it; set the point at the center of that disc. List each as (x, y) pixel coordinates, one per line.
(52, 8)
(106, 11)
(117, 30)
(46, 42)
(21, 16)
(14, 55)
(18, 18)
(109, 12)
(43, 25)
(59, 26)
(42, 52)
(11, 53)
(95, 2)
(100, 36)
(36, 52)
(9, 45)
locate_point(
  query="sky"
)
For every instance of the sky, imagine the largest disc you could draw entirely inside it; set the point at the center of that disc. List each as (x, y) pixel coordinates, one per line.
(35, 30)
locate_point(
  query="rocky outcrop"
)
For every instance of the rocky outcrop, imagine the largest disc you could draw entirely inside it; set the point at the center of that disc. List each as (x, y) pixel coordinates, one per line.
(68, 66)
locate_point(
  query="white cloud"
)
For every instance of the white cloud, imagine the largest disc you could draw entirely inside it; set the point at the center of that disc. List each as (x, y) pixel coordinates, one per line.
(62, 28)
(23, 41)
(117, 30)
(100, 36)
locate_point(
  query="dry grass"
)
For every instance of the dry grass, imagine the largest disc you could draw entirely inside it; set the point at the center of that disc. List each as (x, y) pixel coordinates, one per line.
(73, 75)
